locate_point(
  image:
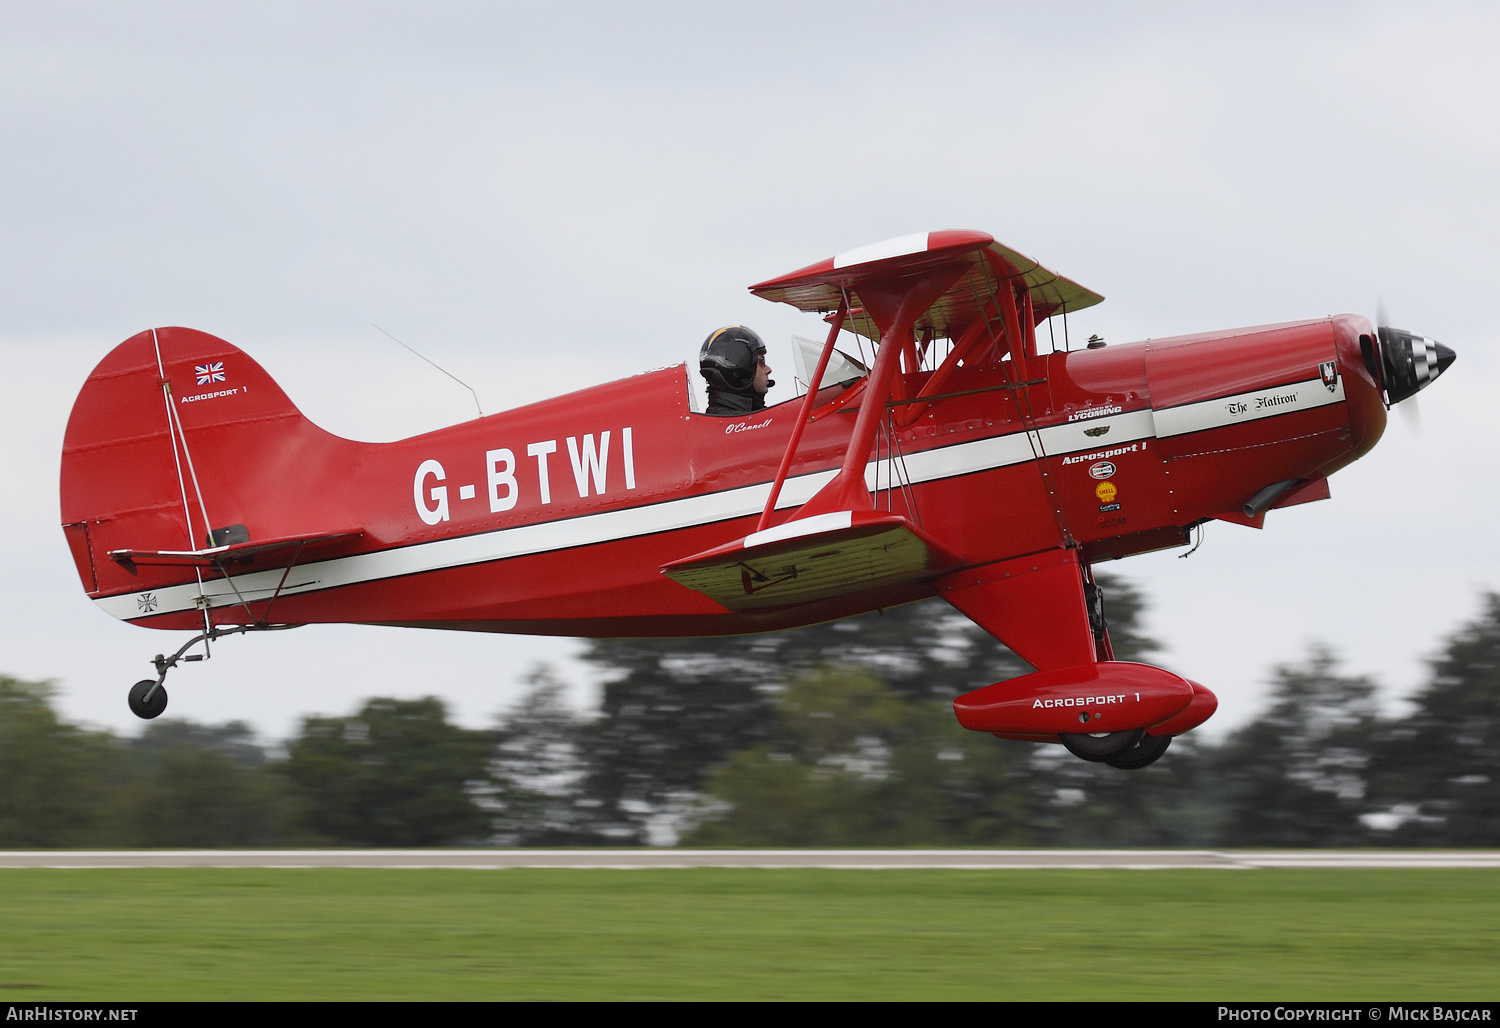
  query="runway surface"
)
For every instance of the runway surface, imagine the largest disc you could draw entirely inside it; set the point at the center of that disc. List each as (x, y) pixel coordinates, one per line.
(975, 860)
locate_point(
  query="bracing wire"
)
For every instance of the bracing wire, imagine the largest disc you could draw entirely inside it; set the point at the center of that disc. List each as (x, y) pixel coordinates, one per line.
(1028, 424)
(187, 512)
(435, 364)
(900, 458)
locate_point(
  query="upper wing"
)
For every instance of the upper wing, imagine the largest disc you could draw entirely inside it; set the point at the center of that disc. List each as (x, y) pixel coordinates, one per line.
(819, 287)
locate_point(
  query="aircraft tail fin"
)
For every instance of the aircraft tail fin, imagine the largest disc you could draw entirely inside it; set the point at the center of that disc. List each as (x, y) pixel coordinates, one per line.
(179, 441)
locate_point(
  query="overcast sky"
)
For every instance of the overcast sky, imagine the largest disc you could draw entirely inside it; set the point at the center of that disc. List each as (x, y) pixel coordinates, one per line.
(544, 197)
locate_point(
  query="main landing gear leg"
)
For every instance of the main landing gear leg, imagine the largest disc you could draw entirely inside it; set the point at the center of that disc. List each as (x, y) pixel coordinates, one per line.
(1050, 612)
(148, 697)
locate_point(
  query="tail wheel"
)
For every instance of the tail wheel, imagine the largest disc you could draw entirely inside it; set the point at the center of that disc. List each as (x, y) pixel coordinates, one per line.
(147, 698)
(1104, 746)
(1147, 751)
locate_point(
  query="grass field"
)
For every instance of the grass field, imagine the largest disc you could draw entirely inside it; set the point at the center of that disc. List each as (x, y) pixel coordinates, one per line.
(761, 934)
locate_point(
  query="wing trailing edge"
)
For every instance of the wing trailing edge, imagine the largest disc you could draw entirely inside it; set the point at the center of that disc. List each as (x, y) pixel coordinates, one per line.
(814, 558)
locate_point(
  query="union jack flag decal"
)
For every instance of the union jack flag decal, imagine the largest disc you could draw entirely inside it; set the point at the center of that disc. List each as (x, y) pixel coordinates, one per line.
(209, 373)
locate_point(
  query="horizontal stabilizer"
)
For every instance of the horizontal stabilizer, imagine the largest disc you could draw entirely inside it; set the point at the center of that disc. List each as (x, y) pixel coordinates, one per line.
(245, 556)
(814, 558)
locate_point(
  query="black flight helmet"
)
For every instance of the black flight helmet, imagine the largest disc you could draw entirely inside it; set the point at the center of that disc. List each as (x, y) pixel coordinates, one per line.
(729, 357)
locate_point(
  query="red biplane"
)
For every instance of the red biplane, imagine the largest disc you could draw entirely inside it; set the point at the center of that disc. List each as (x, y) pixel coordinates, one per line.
(961, 460)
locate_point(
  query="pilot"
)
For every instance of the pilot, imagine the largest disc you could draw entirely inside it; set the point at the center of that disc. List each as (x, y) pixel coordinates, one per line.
(733, 361)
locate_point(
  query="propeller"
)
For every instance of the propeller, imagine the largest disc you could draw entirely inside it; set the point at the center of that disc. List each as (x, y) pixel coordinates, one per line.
(1410, 363)
(1411, 412)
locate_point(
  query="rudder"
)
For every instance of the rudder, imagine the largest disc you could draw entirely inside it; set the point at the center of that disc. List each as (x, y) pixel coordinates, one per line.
(176, 433)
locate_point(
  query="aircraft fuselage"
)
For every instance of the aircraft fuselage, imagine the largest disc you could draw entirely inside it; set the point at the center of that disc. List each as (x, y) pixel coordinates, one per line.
(557, 517)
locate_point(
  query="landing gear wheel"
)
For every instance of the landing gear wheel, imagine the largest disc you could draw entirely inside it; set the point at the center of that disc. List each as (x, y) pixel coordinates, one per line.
(1147, 751)
(1102, 747)
(145, 708)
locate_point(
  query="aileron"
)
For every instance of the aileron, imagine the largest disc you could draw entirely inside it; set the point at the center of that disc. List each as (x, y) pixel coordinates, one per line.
(813, 559)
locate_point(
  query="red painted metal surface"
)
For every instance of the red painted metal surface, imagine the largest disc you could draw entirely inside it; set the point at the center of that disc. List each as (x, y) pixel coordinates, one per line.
(259, 463)
(1198, 710)
(1035, 605)
(1013, 469)
(1107, 696)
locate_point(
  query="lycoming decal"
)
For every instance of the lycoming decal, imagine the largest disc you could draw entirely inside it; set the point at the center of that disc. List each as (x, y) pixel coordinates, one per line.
(1094, 412)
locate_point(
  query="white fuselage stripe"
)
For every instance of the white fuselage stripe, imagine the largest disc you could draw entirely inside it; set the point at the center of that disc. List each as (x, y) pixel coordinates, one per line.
(646, 519)
(1251, 406)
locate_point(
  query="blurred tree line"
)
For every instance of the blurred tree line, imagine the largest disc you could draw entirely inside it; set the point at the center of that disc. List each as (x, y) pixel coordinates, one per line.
(832, 735)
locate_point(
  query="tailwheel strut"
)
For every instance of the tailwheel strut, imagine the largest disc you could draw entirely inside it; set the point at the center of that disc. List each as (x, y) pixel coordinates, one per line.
(148, 697)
